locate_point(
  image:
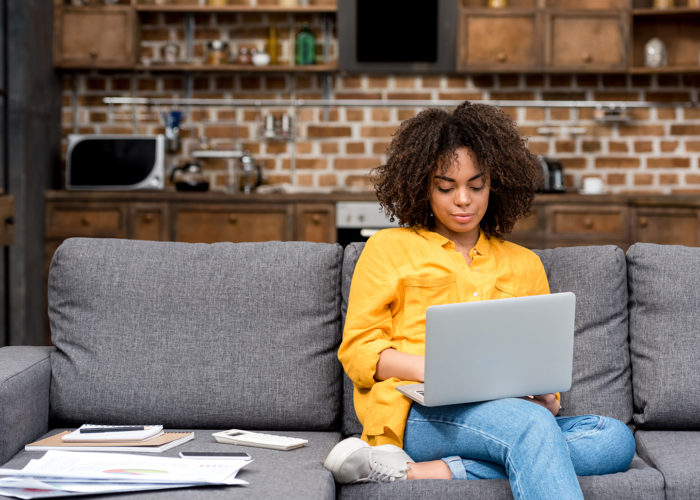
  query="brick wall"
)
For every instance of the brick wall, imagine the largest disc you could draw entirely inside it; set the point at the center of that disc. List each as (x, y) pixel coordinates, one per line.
(657, 150)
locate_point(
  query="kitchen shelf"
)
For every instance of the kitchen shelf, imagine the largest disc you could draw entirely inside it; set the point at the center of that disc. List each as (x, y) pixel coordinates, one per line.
(643, 70)
(239, 68)
(672, 11)
(212, 153)
(199, 9)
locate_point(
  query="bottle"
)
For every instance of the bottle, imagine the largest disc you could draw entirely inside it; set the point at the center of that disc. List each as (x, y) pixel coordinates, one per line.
(272, 48)
(306, 47)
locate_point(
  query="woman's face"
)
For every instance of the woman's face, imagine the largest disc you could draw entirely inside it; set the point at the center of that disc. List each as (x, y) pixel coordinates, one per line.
(459, 198)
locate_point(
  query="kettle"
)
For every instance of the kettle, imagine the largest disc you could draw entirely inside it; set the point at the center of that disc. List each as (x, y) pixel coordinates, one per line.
(553, 175)
(252, 174)
(189, 177)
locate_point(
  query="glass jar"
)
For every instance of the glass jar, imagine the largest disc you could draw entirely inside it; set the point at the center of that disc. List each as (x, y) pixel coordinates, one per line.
(663, 4)
(216, 52)
(245, 56)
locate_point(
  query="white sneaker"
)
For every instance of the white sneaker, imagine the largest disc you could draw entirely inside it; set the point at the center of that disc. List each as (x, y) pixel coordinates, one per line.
(354, 461)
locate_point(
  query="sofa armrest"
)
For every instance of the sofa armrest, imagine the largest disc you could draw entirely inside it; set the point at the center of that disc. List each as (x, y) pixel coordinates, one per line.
(25, 377)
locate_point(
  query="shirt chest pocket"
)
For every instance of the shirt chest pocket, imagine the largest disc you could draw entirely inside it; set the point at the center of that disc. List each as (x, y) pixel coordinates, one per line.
(419, 293)
(507, 289)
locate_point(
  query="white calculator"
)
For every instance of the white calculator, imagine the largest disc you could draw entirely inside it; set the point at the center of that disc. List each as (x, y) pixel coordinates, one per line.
(247, 438)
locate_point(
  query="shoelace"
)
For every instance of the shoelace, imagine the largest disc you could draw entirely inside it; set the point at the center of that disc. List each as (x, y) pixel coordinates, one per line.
(381, 473)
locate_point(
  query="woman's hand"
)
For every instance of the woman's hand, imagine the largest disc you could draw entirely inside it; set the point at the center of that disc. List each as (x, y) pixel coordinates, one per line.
(393, 363)
(549, 401)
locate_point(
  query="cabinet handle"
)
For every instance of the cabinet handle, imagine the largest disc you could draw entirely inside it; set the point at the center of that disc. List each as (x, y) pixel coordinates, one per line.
(93, 54)
(232, 219)
(316, 219)
(85, 221)
(643, 222)
(9, 221)
(588, 223)
(147, 218)
(586, 57)
(501, 57)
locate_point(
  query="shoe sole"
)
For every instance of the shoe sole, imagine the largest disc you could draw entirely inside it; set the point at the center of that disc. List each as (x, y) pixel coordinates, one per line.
(341, 452)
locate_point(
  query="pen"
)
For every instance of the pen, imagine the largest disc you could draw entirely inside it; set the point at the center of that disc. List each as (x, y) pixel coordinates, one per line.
(93, 430)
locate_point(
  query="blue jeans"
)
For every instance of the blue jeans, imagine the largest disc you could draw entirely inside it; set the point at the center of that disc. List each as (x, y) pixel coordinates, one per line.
(539, 454)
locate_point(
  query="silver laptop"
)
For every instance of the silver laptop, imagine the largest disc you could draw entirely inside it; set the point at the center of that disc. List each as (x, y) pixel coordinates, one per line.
(478, 351)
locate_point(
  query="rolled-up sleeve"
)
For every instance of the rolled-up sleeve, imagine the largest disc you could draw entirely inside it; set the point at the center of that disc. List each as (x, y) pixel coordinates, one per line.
(368, 324)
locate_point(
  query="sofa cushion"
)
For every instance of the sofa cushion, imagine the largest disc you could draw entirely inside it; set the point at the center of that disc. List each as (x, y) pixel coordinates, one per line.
(350, 424)
(294, 475)
(195, 335)
(639, 482)
(601, 372)
(665, 335)
(676, 454)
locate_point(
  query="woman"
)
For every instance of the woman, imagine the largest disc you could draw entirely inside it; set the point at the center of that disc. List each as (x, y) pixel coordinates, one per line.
(456, 182)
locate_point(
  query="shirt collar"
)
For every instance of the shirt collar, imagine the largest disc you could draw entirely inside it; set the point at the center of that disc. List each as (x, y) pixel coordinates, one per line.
(482, 247)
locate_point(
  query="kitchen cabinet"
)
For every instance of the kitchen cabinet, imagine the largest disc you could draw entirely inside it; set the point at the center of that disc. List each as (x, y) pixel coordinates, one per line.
(558, 220)
(586, 40)
(676, 27)
(211, 223)
(7, 219)
(498, 40)
(579, 224)
(315, 222)
(671, 226)
(109, 36)
(547, 35)
(148, 221)
(94, 36)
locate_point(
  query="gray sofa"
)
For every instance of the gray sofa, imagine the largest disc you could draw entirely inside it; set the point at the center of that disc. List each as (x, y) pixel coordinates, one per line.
(211, 337)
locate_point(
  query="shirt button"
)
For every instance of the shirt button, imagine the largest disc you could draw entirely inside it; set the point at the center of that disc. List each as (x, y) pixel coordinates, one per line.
(476, 294)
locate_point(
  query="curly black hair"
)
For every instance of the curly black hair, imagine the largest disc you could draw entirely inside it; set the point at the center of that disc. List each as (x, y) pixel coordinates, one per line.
(426, 144)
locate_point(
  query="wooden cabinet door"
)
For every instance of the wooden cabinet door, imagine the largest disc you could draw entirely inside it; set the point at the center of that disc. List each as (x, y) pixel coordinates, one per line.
(315, 222)
(99, 37)
(209, 224)
(7, 218)
(99, 220)
(587, 224)
(498, 41)
(666, 226)
(587, 41)
(148, 221)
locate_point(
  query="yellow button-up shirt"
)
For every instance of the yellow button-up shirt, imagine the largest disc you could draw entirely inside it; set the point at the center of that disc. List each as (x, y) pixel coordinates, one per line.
(398, 275)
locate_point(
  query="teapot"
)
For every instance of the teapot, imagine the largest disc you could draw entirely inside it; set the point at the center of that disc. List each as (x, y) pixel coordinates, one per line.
(189, 177)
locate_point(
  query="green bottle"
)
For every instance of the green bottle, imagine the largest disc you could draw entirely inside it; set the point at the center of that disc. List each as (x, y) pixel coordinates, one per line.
(306, 47)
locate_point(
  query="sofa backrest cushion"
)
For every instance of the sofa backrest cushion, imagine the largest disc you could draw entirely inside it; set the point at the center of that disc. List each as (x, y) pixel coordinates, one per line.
(665, 335)
(195, 335)
(601, 372)
(350, 424)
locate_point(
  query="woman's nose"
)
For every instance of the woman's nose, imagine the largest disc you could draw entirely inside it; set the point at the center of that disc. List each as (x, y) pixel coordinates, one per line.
(462, 197)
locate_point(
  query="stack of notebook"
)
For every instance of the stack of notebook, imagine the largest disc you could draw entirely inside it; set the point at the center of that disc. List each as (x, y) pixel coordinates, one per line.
(146, 438)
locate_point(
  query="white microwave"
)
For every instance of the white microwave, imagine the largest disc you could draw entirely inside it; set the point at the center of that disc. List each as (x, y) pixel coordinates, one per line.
(115, 162)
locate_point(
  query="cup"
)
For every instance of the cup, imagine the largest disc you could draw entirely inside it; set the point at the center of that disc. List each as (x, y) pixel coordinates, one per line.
(593, 185)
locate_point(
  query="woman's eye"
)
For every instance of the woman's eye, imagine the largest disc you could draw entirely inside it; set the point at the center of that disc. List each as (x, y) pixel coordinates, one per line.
(443, 189)
(478, 188)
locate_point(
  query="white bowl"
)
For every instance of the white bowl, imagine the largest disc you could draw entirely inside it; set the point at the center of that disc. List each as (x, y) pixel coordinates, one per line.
(261, 59)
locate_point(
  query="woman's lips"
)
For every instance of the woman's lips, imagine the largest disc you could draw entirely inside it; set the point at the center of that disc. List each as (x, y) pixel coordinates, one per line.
(463, 218)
